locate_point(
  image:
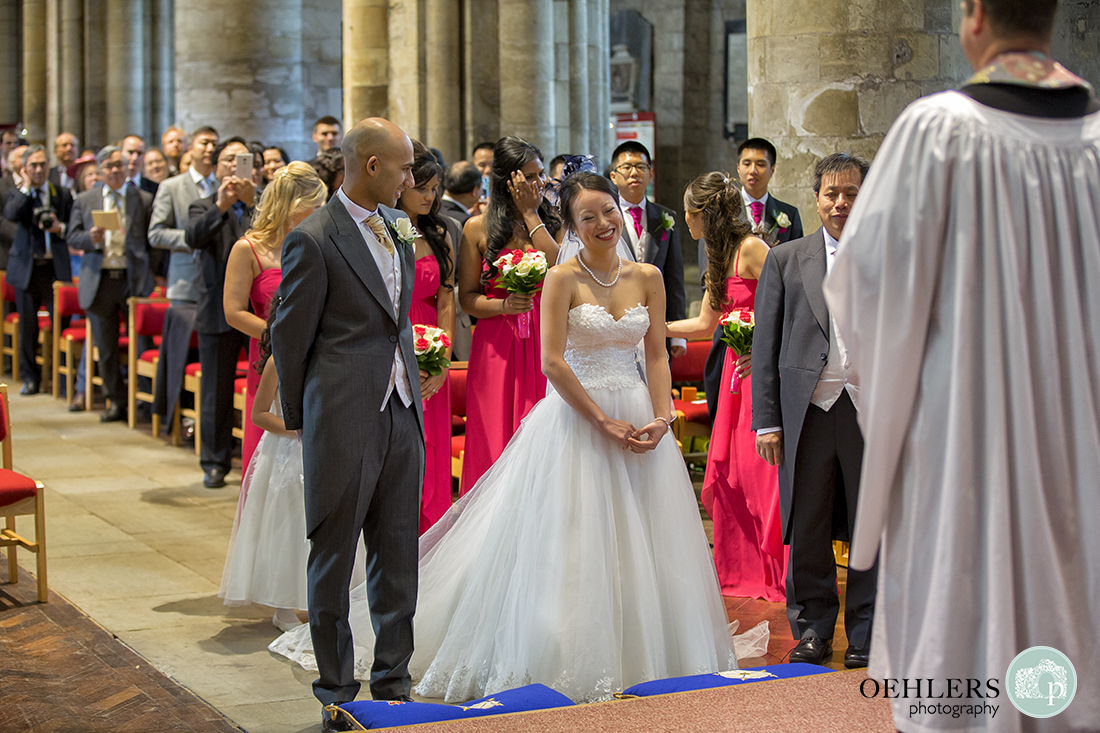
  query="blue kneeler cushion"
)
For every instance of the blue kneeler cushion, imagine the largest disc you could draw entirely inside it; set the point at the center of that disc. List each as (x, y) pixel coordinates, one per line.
(724, 679)
(368, 714)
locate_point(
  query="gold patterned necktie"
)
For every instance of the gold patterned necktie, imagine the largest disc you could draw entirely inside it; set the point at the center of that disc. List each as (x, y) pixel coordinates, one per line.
(374, 221)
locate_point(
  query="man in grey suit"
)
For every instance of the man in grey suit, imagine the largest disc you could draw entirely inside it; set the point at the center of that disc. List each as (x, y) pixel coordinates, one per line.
(805, 421)
(114, 267)
(170, 214)
(343, 349)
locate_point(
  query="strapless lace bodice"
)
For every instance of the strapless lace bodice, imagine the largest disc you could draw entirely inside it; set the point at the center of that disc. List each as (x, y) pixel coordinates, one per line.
(600, 350)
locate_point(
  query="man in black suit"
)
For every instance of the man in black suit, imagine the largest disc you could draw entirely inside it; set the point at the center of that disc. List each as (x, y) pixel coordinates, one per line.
(650, 229)
(133, 151)
(805, 422)
(773, 220)
(13, 166)
(39, 254)
(461, 192)
(66, 149)
(214, 224)
(115, 265)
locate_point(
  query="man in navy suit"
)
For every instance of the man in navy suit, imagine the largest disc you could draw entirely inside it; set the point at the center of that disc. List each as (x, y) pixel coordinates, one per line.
(772, 220)
(650, 228)
(115, 265)
(39, 254)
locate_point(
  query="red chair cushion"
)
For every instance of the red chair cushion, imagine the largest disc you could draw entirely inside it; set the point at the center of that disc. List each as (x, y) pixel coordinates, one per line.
(45, 323)
(12, 317)
(240, 385)
(242, 368)
(458, 444)
(15, 487)
(157, 340)
(68, 302)
(151, 355)
(458, 425)
(9, 292)
(149, 318)
(75, 333)
(691, 366)
(192, 369)
(696, 413)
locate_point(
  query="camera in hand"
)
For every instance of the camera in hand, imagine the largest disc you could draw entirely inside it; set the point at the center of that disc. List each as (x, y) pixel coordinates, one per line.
(45, 217)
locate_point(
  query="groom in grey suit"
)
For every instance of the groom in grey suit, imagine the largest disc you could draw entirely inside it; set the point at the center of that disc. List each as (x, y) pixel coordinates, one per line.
(804, 417)
(349, 382)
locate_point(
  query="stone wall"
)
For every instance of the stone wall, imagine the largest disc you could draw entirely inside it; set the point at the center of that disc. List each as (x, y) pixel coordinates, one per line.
(1076, 41)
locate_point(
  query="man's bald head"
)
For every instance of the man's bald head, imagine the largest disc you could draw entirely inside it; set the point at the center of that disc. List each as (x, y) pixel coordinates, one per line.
(378, 159)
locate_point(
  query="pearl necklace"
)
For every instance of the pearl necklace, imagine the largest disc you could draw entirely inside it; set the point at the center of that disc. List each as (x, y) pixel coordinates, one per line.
(598, 281)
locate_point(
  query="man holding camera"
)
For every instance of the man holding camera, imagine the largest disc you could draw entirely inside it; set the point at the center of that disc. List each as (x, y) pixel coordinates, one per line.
(39, 254)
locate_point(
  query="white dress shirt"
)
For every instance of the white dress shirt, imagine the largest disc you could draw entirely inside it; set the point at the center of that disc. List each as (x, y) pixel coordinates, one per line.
(637, 243)
(748, 199)
(114, 243)
(207, 186)
(389, 266)
(837, 376)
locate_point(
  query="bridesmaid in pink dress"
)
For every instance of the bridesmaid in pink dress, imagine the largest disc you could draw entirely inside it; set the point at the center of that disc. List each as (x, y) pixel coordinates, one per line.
(253, 273)
(740, 490)
(505, 377)
(433, 304)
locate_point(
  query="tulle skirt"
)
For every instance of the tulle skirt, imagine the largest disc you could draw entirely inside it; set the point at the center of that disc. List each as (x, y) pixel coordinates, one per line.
(571, 563)
(268, 549)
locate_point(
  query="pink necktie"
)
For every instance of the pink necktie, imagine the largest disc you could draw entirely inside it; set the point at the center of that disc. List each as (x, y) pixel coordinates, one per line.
(636, 212)
(757, 211)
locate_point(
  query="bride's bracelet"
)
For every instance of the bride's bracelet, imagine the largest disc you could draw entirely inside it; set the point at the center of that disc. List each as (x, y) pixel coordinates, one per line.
(666, 421)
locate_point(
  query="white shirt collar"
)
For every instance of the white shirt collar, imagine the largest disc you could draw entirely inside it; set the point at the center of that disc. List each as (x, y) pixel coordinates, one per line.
(750, 200)
(121, 190)
(830, 243)
(357, 212)
(627, 206)
(197, 177)
(447, 197)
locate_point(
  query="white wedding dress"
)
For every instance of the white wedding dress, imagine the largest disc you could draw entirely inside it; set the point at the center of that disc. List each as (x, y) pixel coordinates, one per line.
(572, 562)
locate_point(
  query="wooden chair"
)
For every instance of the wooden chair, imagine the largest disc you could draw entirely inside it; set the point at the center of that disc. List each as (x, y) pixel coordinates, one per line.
(67, 342)
(145, 317)
(20, 496)
(192, 382)
(239, 388)
(457, 379)
(10, 331)
(692, 418)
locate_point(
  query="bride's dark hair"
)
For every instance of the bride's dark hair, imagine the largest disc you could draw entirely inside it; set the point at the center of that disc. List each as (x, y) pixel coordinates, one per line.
(578, 182)
(510, 154)
(717, 199)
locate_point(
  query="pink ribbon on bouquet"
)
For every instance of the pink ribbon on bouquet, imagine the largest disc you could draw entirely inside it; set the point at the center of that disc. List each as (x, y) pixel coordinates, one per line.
(523, 324)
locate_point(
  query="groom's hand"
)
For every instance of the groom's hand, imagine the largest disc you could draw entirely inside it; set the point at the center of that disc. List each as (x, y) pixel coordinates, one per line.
(770, 447)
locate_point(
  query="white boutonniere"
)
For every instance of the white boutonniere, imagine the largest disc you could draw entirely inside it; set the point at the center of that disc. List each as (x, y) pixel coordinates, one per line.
(665, 224)
(406, 232)
(782, 222)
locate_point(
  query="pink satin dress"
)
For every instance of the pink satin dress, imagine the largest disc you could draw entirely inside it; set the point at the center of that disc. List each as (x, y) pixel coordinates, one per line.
(264, 287)
(740, 490)
(504, 382)
(436, 497)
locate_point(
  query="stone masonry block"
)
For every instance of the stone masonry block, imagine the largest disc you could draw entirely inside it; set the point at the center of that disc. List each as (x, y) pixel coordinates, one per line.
(887, 16)
(851, 54)
(916, 56)
(768, 110)
(833, 110)
(791, 59)
(803, 17)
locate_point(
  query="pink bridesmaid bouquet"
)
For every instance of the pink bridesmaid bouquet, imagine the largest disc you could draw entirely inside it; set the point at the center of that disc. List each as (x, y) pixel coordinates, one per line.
(522, 272)
(737, 327)
(431, 344)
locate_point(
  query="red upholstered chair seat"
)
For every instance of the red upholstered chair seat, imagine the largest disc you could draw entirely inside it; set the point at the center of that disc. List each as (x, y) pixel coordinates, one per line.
(12, 317)
(240, 385)
(75, 333)
(458, 444)
(193, 368)
(242, 368)
(693, 411)
(157, 340)
(150, 356)
(15, 487)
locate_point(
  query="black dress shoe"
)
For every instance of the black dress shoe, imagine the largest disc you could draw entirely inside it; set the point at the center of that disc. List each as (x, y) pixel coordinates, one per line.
(812, 650)
(114, 413)
(29, 387)
(214, 478)
(331, 724)
(77, 403)
(854, 657)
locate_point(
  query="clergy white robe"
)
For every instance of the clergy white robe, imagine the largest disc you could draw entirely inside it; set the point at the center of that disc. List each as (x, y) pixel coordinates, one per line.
(967, 289)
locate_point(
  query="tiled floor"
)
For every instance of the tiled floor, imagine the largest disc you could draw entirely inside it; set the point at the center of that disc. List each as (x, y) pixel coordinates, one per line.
(137, 543)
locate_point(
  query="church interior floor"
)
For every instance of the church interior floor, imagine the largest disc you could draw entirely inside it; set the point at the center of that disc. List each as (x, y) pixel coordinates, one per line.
(136, 543)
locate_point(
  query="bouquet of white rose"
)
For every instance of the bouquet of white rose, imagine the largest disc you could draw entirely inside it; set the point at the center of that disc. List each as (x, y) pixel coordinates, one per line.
(737, 328)
(522, 272)
(430, 345)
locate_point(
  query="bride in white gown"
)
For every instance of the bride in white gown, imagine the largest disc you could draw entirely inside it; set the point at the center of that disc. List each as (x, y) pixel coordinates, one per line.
(579, 559)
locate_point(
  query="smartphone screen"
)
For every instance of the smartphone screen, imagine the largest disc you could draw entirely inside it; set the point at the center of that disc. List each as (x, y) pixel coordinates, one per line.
(244, 166)
(485, 187)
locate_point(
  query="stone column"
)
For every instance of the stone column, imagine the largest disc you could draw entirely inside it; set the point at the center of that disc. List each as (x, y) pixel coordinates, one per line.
(1076, 28)
(406, 77)
(239, 68)
(34, 69)
(71, 76)
(481, 71)
(366, 60)
(581, 133)
(599, 75)
(163, 58)
(831, 75)
(526, 39)
(11, 32)
(126, 69)
(53, 69)
(443, 90)
(95, 74)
